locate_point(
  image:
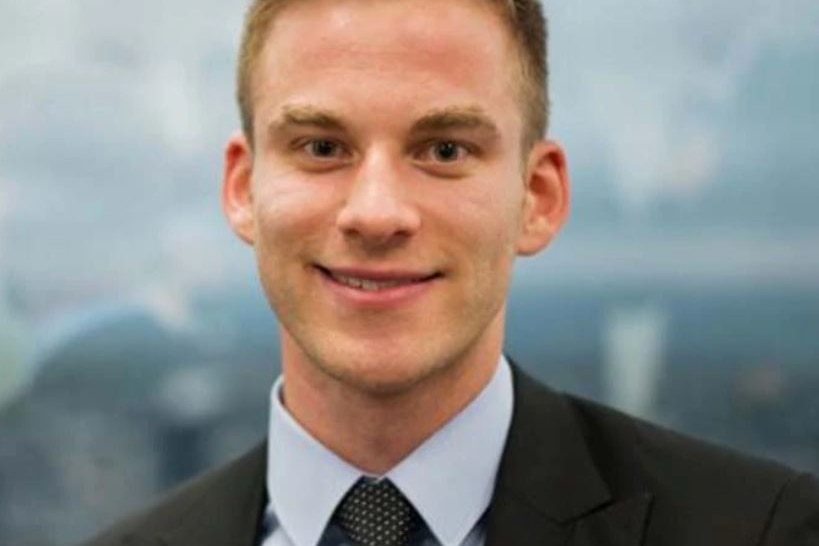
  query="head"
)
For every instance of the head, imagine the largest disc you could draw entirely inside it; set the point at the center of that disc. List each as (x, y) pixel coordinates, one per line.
(379, 180)
(523, 20)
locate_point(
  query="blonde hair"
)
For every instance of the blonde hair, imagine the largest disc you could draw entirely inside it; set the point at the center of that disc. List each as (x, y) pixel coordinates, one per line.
(525, 22)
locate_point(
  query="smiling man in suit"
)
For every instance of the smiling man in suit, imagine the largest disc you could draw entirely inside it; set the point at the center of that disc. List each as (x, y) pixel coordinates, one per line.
(391, 167)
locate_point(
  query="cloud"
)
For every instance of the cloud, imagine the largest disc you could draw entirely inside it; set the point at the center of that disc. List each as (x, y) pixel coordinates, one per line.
(635, 82)
(634, 258)
(5, 206)
(112, 118)
(35, 33)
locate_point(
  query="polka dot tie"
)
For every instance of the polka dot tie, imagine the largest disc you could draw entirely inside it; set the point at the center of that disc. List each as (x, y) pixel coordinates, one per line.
(376, 513)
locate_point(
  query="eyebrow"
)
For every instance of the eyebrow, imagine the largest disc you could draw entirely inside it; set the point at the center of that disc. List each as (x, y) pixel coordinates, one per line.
(449, 118)
(470, 117)
(306, 116)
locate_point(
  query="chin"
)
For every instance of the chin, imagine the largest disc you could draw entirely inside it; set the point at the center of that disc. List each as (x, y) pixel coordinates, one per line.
(384, 374)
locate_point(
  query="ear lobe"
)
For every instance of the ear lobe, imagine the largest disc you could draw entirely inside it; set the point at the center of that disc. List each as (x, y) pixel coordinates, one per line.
(546, 206)
(237, 194)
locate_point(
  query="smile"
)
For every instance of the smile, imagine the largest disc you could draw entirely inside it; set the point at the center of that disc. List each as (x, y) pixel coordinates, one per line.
(375, 282)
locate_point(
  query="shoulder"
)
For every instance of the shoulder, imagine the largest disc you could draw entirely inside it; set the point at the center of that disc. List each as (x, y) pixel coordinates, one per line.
(691, 480)
(623, 445)
(238, 482)
(699, 492)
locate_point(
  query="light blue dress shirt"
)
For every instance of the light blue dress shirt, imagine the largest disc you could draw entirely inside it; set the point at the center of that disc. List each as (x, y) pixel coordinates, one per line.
(449, 478)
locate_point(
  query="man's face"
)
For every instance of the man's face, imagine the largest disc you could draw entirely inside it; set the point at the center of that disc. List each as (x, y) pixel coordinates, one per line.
(386, 195)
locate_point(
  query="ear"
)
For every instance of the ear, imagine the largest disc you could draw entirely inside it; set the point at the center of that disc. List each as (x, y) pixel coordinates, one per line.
(237, 193)
(546, 205)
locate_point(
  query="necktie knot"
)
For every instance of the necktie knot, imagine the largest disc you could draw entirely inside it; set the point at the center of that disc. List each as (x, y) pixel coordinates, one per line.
(376, 513)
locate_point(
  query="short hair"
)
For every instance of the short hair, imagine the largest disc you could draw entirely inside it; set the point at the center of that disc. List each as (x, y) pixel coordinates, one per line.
(524, 20)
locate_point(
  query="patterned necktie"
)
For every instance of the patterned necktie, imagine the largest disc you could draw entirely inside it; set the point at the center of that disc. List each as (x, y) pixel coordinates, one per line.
(376, 513)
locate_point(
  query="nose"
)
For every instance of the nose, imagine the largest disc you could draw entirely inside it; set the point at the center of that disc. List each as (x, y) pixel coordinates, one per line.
(379, 210)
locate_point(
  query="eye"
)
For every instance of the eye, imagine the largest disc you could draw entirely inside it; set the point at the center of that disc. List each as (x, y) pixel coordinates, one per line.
(323, 148)
(320, 153)
(444, 151)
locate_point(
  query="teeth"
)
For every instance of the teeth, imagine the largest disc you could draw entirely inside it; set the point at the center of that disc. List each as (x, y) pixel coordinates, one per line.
(368, 285)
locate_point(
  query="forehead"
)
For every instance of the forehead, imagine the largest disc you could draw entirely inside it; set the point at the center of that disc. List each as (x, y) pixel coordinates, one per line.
(378, 47)
(399, 19)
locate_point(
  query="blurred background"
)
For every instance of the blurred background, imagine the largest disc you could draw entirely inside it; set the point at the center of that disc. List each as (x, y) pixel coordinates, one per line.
(136, 347)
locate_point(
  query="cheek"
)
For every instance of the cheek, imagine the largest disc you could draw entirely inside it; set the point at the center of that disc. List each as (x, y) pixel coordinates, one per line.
(486, 217)
(289, 211)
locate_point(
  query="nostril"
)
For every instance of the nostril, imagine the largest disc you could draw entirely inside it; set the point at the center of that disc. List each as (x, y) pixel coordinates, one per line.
(378, 222)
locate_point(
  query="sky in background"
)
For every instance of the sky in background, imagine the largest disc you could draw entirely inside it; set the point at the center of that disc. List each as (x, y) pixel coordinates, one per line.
(690, 128)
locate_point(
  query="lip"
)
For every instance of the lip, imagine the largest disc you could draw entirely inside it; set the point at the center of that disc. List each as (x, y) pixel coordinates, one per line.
(408, 285)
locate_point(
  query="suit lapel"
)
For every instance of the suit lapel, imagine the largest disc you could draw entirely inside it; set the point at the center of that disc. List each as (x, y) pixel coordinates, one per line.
(619, 524)
(229, 510)
(549, 491)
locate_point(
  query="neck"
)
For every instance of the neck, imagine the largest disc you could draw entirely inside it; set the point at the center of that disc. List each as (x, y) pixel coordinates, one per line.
(374, 431)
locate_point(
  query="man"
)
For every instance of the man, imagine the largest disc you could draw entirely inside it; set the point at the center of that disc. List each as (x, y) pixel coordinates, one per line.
(390, 169)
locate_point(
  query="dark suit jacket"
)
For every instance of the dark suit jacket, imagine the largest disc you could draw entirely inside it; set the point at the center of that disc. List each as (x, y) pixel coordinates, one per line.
(573, 473)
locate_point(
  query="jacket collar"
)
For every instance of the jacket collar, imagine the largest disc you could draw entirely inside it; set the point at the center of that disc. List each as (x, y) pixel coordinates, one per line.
(226, 508)
(549, 490)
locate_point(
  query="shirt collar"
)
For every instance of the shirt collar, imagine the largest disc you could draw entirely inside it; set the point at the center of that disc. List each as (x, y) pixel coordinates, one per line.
(449, 478)
(305, 480)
